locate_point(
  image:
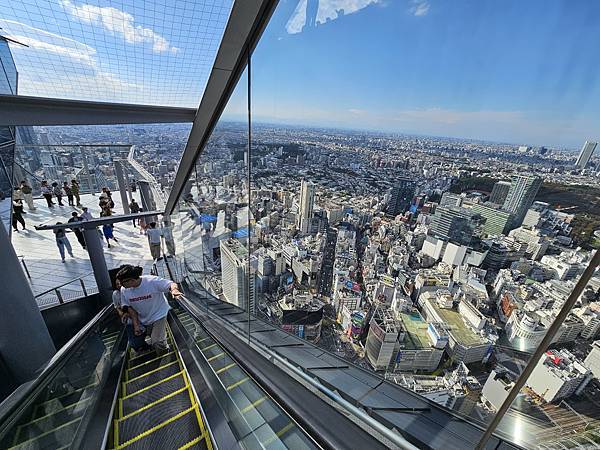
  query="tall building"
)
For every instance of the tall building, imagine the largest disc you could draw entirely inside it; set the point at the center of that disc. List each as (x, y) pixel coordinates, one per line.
(585, 154)
(454, 224)
(307, 204)
(235, 274)
(382, 341)
(593, 359)
(557, 375)
(520, 197)
(401, 196)
(496, 220)
(500, 192)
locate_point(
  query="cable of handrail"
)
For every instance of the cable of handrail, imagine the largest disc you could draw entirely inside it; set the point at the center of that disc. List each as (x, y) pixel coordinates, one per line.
(394, 437)
(24, 395)
(64, 284)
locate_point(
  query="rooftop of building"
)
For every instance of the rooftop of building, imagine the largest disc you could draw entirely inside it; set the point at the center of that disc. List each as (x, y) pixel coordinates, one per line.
(416, 331)
(457, 327)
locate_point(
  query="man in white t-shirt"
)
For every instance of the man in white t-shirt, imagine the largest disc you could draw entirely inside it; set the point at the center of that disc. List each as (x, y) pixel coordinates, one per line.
(143, 298)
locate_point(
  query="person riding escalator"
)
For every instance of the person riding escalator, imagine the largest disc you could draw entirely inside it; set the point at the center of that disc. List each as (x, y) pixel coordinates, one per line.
(143, 299)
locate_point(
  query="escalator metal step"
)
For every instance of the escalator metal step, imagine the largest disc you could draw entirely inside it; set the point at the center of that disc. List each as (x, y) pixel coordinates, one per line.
(136, 371)
(174, 432)
(155, 413)
(142, 398)
(151, 377)
(142, 358)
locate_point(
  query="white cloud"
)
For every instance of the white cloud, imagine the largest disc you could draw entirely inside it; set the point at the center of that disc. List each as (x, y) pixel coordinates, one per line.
(306, 15)
(56, 66)
(419, 8)
(118, 23)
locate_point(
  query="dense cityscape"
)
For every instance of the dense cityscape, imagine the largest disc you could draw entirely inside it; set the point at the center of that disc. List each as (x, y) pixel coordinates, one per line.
(438, 263)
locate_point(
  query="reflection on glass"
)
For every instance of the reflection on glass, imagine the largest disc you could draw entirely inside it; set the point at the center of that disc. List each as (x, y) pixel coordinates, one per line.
(437, 263)
(214, 216)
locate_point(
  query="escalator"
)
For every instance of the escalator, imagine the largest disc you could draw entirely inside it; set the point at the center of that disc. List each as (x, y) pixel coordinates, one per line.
(97, 393)
(156, 405)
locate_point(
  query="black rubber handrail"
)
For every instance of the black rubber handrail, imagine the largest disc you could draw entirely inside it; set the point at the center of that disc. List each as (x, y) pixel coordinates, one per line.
(25, 395)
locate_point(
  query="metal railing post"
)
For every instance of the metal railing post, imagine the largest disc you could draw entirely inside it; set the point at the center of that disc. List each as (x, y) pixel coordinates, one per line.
(59, 295)
(83, 287)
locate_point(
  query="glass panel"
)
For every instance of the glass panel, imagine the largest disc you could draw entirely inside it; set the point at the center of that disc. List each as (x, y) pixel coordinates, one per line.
(139, 158)
(53, 418)
(422, 212)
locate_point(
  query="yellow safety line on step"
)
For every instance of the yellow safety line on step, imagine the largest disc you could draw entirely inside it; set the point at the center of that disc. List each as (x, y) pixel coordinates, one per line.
(212, 358)
(192, 442)
(280, 433)
(116, 434)
(153, 371)
(253, 405)
(149, 361)
(203, 428)
(153, 385)
(237, 383)
(46, 433)
(226, 368)
(139, 356)
(208, 348)
(202, 340)
(150, 405)
(155, 428)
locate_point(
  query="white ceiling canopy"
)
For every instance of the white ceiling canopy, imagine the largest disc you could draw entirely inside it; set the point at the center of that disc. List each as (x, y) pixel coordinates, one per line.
(154, 52)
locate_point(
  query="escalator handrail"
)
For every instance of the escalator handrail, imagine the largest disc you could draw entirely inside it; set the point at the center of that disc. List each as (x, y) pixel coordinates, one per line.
(21, 398)
(393, 436)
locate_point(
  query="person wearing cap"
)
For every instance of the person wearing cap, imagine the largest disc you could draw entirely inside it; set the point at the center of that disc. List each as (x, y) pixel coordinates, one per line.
(143, 298)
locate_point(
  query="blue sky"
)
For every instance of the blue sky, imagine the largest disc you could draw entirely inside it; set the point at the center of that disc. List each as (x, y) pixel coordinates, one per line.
(513, 71)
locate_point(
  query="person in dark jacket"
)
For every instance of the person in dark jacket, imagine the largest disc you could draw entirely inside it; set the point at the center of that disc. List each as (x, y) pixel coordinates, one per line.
(47, 193)
(78, 233)
(58, 193)
(69, 193)
(17, 216)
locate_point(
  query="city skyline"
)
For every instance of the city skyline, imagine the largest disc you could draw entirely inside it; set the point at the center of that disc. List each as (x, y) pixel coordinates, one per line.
(415, 67)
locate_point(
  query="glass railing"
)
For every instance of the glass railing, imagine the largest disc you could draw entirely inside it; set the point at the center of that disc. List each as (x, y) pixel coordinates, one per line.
(435, 263)
(53, 410)
(255, 418)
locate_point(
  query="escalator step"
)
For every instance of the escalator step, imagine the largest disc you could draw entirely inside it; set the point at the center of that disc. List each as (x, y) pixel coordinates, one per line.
(160, 411)
(173, 433)
(142, 358)
(143, 398)
(142, 368)
(152, 377)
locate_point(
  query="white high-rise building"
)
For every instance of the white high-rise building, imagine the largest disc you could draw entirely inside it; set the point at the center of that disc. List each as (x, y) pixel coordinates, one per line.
(236, 278)
(307, 203)
(593, 359)
(586, 154)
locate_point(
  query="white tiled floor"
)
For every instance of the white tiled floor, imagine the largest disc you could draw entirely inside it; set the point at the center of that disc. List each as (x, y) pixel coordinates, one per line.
(40, 253)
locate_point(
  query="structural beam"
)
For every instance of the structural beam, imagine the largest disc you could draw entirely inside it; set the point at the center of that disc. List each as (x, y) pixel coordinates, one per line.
(247, 21)
(22, 110)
